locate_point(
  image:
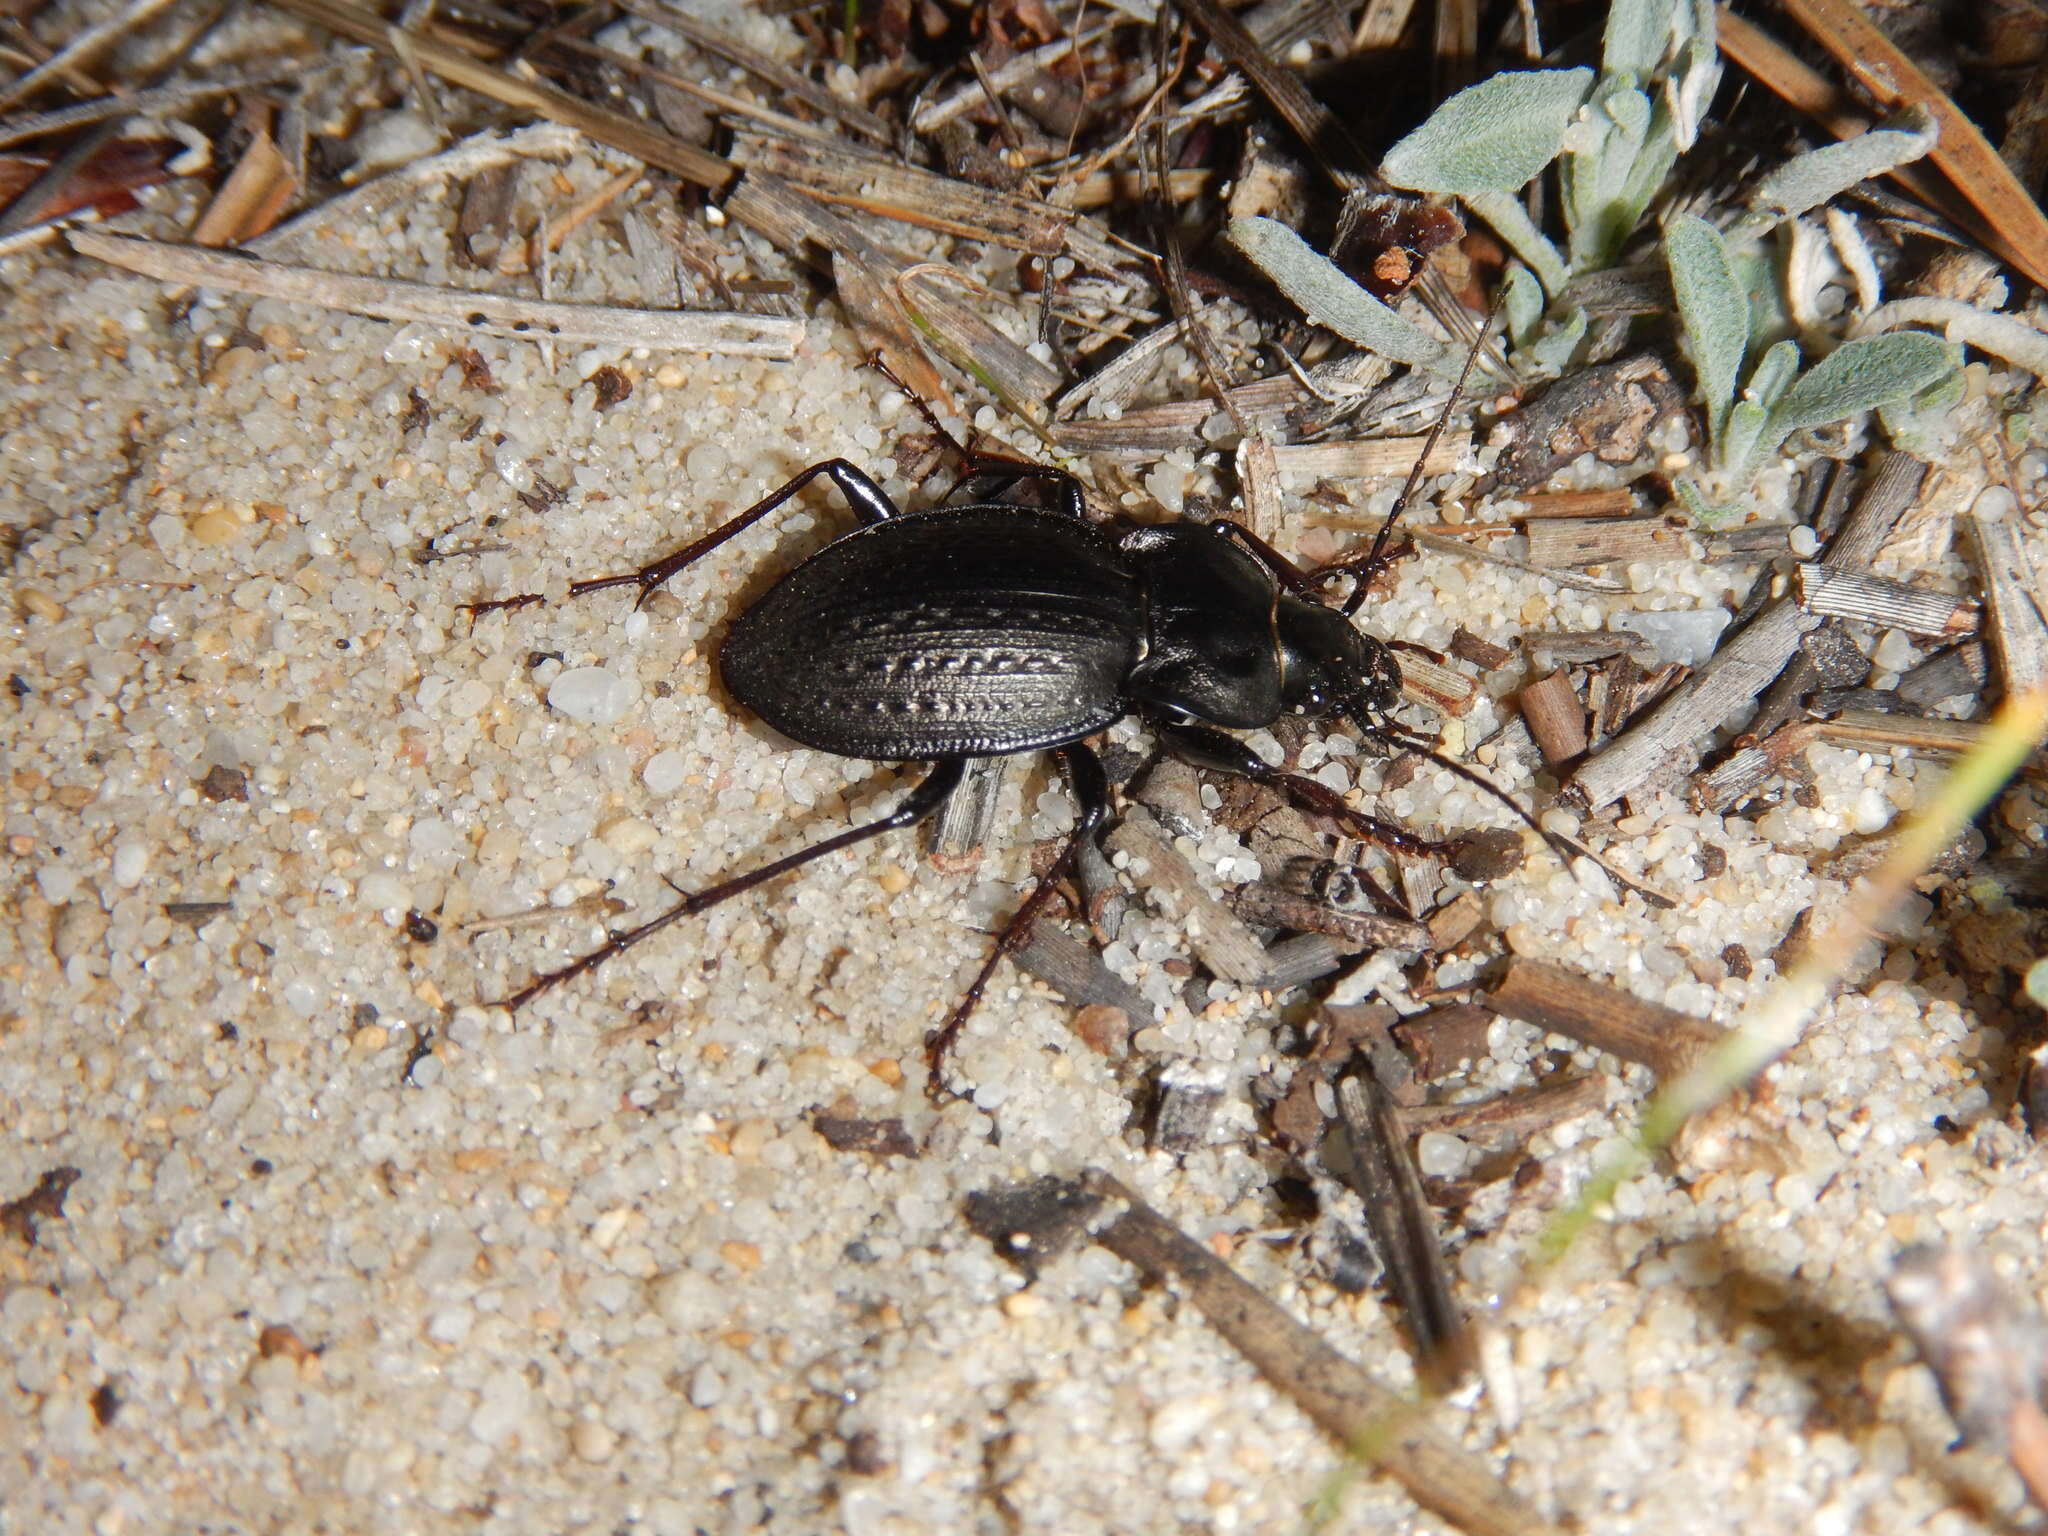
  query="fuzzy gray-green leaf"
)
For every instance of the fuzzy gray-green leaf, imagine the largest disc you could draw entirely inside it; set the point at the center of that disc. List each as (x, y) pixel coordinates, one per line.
(1490, 137)
(1635, 36)
(1714, 310)
(1859, 376)
(1327, 297)
(1808, 180)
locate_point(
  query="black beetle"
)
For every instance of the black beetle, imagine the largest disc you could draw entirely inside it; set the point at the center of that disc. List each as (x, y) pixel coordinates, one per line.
(991, 629)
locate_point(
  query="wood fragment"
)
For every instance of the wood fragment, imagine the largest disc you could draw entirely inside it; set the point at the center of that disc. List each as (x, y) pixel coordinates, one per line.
(1258, 476)
(1427, 682)
(1618, 502)
(1577, 647)
(1606, 410)
(1456, 921)
(1301, 958)
(84, 47)
(1748, 768)
(1957, 672)
(1561, 1002)
(1371, 458)
(955, 834)
(1483, 654)
(1557, 719)
(1571, 579)
(1191, 1094)
(950, 309)
(486, 314)
(1362, 1413)
(1273, 906)
(2012, 592)
(1660, 747)
(1865, 730)
(1073, 969)
(790, 82)
(251, 200)
(1215, 933)
(1961, 152)
(1444, 1039)
(1512, 1118)
(1381, 1168)
(1879, 600)
(1577, 542)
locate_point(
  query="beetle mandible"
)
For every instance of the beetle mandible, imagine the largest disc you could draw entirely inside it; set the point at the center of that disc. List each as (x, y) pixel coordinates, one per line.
(996, 628)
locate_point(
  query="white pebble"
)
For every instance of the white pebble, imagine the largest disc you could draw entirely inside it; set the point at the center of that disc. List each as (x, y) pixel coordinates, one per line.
(503, 1408)
(665, 772)
(383, 891)
(1805, 542)
(1440, 1155)
(1994, 504)
(592, 1440)
(596, 695)
(130, 860)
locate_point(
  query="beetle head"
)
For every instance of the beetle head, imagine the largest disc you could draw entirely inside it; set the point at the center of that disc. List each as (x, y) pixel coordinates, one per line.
(1327, 663)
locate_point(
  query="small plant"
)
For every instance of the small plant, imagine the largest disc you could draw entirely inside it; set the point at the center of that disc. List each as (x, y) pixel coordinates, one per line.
(1614, 139)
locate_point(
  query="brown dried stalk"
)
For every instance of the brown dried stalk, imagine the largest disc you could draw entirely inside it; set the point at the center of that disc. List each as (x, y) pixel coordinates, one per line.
(1561, 1002)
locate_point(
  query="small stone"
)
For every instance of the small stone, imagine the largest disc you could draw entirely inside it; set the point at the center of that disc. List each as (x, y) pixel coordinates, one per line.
(593, 1441)
(664, 773)
(1440, 1155)
(594, 695)
(39, 604)
(628, 835)
(214, 524)
(894, 880)
(130, 861)
(1687, 635)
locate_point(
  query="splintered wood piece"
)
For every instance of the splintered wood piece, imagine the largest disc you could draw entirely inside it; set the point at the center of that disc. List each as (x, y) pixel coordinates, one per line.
(251, 199)
(2019, 635)
(1746, 770)
(1619, 502)
(1561, 1002)
(1370, 458)
(1441, 688)
(1959, 670)
(1258, 473)
(1216, 934)
(1382, 1170)
(952, 310)
(1445, 1038)
(1456, 920)
(1483, 654)
(1511, 1118)
(1347, 1401)
(1576, 542)
(1870, 730)
(908, 195)
(1663, 744)
(1272, 906)
(486, 314)
(1879, 600)
(1072, 968)
(1557, 720)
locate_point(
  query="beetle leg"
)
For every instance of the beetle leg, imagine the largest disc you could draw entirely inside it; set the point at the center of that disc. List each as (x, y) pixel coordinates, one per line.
(1091, 792)
(1206, 747)
(1071, 500)
(869, 502)
(914, 807)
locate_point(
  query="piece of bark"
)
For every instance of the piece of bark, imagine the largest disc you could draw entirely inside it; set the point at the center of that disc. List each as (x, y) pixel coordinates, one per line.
(1443, 1039)
(1871, 599)
(1511, 1118)
(1557, 720)
(1483, 654)
(1606, 410)
(1958, 672)
(1573, 543)
(1561, 1002)
(1073, 969)
(1272, 906)
(2012, 592)
(1381, 1168)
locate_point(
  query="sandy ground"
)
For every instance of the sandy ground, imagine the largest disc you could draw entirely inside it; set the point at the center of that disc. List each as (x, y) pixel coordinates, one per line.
(591, 1268)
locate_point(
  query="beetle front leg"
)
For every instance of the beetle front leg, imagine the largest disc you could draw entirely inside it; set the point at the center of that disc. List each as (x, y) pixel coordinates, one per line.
(1205, 747)
(869, 502)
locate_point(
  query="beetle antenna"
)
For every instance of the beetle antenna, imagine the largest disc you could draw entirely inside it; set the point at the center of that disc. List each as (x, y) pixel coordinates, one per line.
(1371, 562)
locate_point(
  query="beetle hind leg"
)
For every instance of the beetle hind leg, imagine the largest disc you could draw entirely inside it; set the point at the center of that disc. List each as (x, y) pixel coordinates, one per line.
(926, 798)
(869, 501)
(1091, 791)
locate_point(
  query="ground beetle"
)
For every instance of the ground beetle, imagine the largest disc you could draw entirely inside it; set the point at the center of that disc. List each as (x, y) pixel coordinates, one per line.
(998, 628)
